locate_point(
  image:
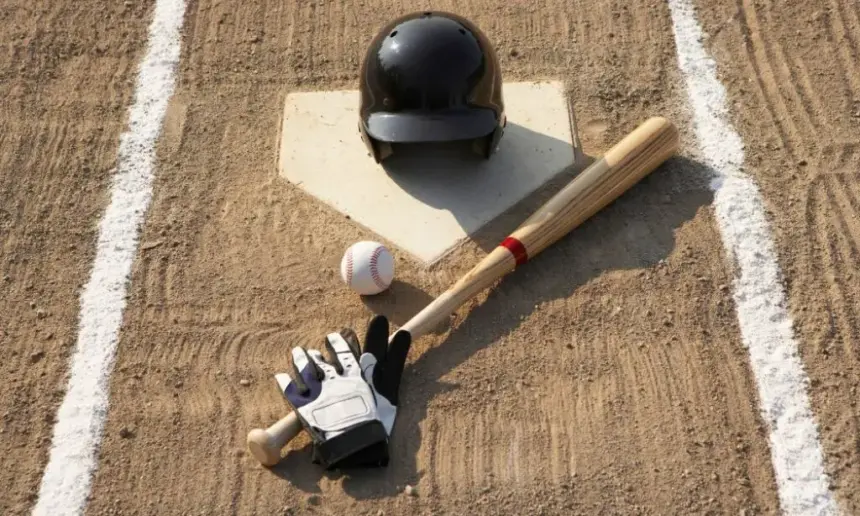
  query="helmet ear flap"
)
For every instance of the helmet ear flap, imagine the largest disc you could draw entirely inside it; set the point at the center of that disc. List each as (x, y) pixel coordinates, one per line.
(370, 143)
(486, 145)
(379, 150)
(385, 150)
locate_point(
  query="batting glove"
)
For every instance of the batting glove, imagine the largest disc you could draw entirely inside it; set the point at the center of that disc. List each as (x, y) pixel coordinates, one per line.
(335, 405)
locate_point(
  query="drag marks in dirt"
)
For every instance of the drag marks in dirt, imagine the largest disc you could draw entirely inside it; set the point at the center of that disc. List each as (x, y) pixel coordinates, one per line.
(790, 80)
(159, 275)
(833, 216)
(262, 39)
(842, 156)
(765, 325)
(191, 382)
(769, 63)
(599, 421)
(220, 314)
(843, 31)
(80, 418)
(833, 222)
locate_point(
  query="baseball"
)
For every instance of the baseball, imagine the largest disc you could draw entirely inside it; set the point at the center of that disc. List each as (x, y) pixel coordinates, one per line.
(367, 267)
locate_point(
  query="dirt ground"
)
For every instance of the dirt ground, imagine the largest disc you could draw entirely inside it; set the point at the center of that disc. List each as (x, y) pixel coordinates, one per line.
(606, 377)
(794, 80)
(66, 79)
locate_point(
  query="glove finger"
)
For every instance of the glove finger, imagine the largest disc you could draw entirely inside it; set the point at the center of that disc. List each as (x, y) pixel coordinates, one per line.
(368, 366)
(376, 338)
(284, 380)
(341, 350)
(303, 362)
(326, 369)
(300, 358)
(305, 385)
(387, 378)
(298, 364)
(331, 353)
(352, 339)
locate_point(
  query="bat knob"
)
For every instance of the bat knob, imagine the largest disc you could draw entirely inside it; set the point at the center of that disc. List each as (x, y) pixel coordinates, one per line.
(264, 447)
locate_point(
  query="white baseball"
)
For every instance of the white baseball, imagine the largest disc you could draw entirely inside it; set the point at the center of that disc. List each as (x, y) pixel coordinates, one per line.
(367, 267)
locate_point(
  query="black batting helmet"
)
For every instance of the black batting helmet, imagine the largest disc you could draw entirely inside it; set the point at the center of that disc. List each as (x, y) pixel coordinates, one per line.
(430, 77)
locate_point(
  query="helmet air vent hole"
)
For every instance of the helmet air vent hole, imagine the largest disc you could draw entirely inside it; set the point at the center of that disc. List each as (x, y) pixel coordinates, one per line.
(392, 34)
(463, 32)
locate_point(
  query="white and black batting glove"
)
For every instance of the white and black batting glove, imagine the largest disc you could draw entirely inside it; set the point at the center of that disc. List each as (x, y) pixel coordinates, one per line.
(338, 408)
(334, 403)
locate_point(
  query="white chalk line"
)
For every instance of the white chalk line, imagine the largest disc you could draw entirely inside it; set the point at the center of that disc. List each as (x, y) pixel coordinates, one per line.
(765, 325)
(80, 419)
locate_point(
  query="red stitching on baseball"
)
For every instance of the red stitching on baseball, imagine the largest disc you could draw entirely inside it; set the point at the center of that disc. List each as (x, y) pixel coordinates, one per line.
(349, 266)
(374, 272)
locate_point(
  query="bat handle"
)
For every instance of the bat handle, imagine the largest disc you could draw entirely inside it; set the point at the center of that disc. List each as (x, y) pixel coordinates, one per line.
(266, 444)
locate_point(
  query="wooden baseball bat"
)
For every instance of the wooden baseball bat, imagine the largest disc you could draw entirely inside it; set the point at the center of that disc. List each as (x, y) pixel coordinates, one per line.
(625, 164)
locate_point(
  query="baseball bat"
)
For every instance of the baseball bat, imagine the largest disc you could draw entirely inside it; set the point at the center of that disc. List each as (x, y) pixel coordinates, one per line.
(625, 164)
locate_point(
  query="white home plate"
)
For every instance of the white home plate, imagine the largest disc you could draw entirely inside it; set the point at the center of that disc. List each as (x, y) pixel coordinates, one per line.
(424, 199)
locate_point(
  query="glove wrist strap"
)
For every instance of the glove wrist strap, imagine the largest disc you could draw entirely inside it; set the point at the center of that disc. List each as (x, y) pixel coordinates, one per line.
(365, 444)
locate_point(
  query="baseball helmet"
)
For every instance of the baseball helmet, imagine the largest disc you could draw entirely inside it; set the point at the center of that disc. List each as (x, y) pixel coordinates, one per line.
(430, 77)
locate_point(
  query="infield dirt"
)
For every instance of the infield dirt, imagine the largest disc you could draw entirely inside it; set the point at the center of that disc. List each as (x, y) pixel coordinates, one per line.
(606, 376)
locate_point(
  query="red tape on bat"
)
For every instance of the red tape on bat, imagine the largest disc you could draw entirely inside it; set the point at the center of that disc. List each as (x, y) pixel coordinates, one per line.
(517, 249)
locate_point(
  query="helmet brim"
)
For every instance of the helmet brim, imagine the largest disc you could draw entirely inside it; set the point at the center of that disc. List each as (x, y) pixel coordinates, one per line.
(411, 127)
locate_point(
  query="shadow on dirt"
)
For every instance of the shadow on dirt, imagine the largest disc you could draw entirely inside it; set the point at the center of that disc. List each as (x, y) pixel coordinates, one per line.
(636, 231)
(398, 303)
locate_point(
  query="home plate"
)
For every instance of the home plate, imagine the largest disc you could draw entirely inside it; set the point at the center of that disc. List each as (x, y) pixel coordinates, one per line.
(425, 199)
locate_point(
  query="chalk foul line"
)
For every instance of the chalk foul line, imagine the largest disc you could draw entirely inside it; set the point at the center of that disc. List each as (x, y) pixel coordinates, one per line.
(765, 325)
(80, 419)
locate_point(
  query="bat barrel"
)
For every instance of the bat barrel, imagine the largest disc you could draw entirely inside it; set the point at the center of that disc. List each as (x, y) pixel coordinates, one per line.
(638, 154)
